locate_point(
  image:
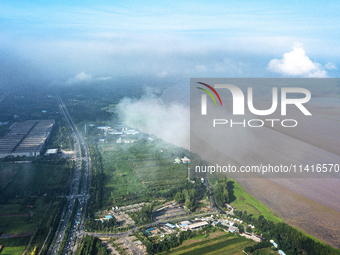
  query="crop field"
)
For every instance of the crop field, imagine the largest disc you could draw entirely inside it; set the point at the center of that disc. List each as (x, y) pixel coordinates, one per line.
(15, 241)
(23, 220)
(37, 179)
(25, 199)
(226, 244)
(12, 206)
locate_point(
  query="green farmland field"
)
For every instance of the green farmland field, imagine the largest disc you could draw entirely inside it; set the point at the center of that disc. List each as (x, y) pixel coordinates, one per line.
(225, 244)
(13, 250)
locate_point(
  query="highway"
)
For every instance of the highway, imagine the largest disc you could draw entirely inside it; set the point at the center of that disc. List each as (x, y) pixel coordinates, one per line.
(80, 192)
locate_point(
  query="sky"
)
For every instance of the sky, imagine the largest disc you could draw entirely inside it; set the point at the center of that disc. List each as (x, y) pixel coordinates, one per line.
(76, 41)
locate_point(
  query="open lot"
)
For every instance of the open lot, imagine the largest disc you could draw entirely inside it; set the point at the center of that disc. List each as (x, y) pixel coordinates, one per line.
(169, 213)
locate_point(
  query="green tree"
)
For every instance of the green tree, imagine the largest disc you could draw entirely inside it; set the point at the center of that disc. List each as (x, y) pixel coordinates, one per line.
(178, 197)
(188, 204)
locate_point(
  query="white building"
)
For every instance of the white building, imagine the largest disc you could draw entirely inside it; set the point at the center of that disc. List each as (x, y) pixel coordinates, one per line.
(130, 132)
(51, 151)
(198, 225)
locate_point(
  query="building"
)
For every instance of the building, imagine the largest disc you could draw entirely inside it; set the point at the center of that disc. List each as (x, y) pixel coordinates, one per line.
(138, 242)
(170, 226)
(185, 160)
(281, 252)
(186, 222)
(51, 152)
(115, 133)
(130, 132)
(129, 141)
(198, 225)
(4, 123)
(26, 138)
(104, 127)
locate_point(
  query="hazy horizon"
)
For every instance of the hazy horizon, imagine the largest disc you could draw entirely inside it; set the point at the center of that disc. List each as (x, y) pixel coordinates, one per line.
(65, 43)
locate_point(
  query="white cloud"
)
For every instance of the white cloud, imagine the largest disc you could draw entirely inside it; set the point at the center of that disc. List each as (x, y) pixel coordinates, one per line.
(331, 66)
(84, 77)
(297, 63)
(80, 77)
(151, 115)
(104, 78)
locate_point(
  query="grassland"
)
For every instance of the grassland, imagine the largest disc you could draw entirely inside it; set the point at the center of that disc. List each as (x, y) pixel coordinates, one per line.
(14, 245)
(15, 241)
(13, 250)
(141, 170)
(108, 107)
(242, 200)
(227, 244)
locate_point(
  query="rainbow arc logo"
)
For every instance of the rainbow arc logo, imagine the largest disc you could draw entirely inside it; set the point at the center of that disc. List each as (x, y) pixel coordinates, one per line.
(209, 93)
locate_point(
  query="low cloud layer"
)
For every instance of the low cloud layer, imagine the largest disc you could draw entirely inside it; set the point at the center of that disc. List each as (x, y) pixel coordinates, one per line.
(331, 66)
(297, 63)
(150, 115)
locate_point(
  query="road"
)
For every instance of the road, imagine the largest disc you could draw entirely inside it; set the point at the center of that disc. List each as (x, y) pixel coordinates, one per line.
(134, 229)
(212, 198)
(79, 191)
